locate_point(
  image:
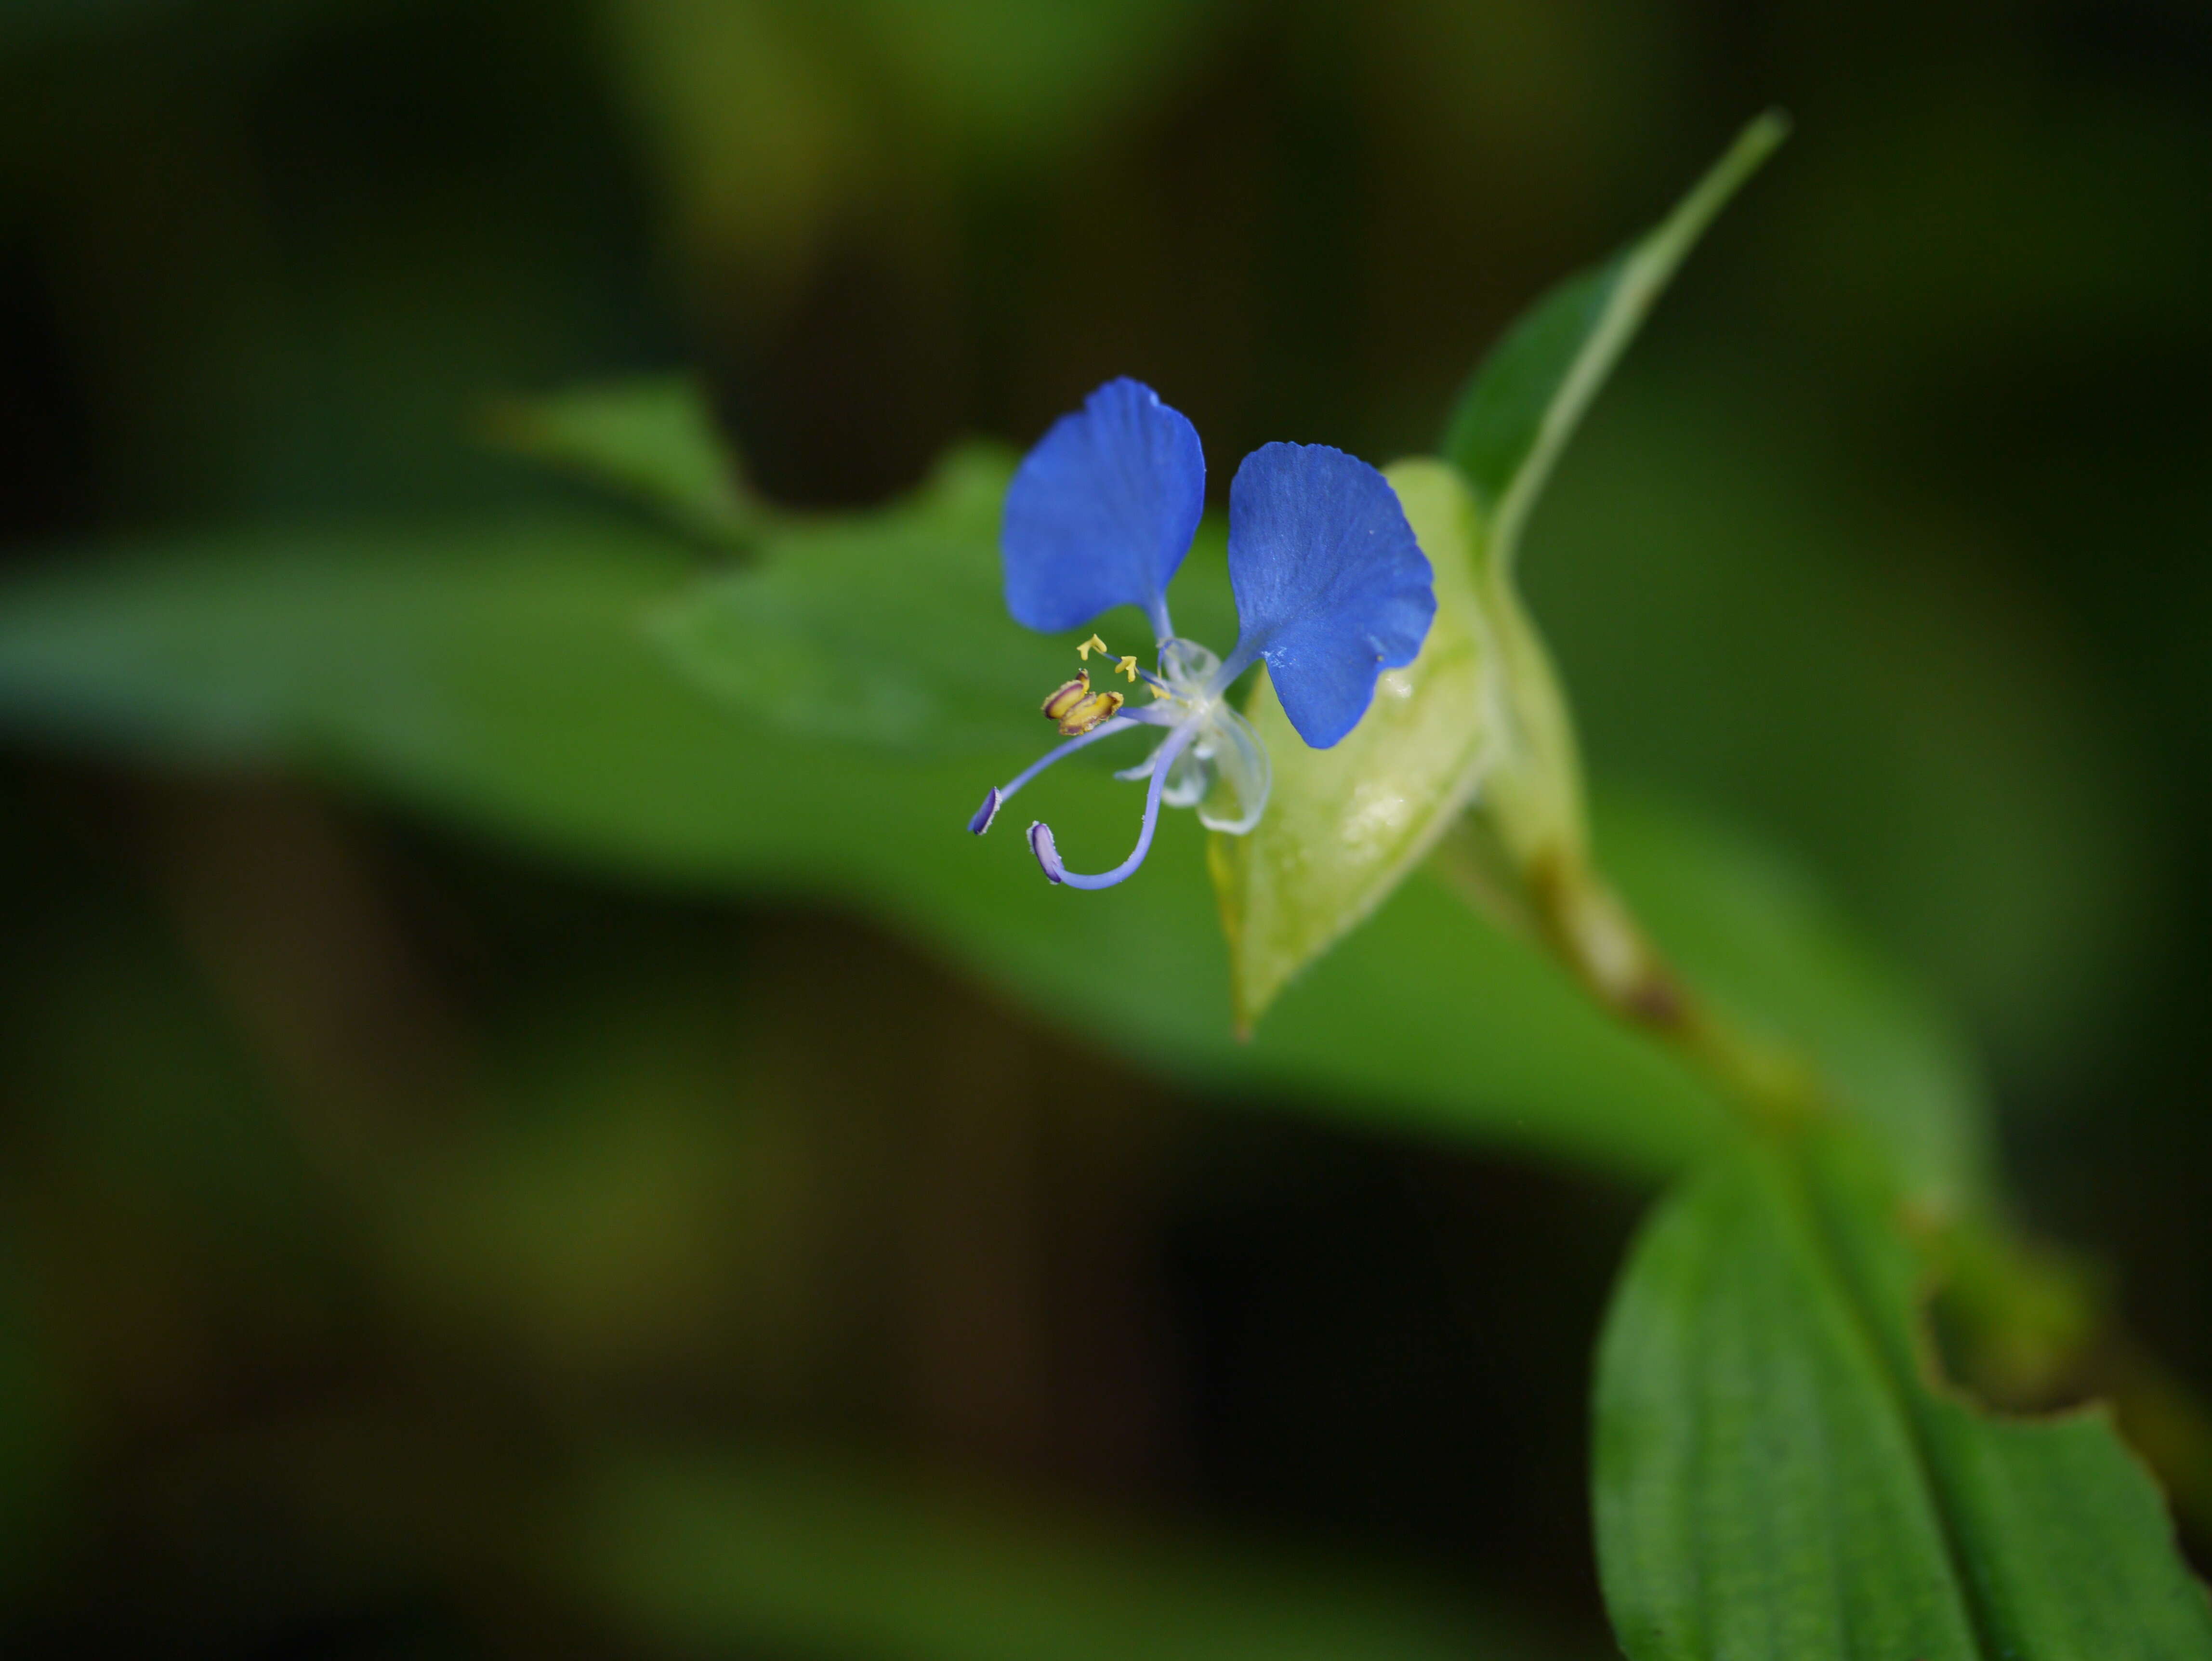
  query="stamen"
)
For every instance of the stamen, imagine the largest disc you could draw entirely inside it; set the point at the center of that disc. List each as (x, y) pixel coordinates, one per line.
(1088, 712)
(1125, 664)
(1000, 794)
(1067, 695)
(1048, 855)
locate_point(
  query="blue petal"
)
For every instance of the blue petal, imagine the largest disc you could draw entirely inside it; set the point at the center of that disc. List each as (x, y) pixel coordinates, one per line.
(1331, 587)
(1103, 510)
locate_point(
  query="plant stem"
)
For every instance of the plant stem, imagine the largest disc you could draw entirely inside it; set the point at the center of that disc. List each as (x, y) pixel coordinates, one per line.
(1776, 1087)
(1593, 933)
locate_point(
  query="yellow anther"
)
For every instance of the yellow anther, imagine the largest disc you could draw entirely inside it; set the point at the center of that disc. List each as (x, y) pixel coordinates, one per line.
(1088, 712)
(1066, 696)
(1160, 691)
(1094, 644)
(1127, 666)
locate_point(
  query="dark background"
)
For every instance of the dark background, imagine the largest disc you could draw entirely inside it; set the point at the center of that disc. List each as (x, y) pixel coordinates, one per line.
(362, 1185)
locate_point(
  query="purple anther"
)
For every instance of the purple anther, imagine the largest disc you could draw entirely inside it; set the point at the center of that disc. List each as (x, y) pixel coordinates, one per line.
(987, 812)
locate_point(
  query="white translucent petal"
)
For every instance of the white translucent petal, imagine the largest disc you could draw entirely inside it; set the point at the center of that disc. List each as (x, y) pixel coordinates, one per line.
(1142, 770)
(1189, 780)
(1187, 667)
(1223, 771)
(1241, 775)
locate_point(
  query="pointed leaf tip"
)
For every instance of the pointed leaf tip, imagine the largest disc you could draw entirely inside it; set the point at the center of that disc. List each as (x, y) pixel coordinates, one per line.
(1526, 398)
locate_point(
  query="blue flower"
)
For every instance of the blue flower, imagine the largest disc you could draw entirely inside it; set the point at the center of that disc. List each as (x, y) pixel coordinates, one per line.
(1331, 590)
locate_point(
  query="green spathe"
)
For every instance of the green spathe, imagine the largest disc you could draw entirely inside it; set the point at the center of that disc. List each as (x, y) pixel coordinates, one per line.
(1345, 826)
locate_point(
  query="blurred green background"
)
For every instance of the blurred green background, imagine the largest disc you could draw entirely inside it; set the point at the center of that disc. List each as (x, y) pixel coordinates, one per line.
(413, 1245)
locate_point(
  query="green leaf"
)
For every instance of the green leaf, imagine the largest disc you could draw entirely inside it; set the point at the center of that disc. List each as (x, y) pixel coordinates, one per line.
(1520, 408)
(1776, 1476)
(891, 630)
(502, 677)
(1345, 826)
(653, 439)
(1527, 397)
(887, 630)
(810, 1555)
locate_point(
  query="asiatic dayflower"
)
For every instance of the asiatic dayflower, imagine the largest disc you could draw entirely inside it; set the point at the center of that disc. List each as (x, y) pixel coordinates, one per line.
(1331, 589)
